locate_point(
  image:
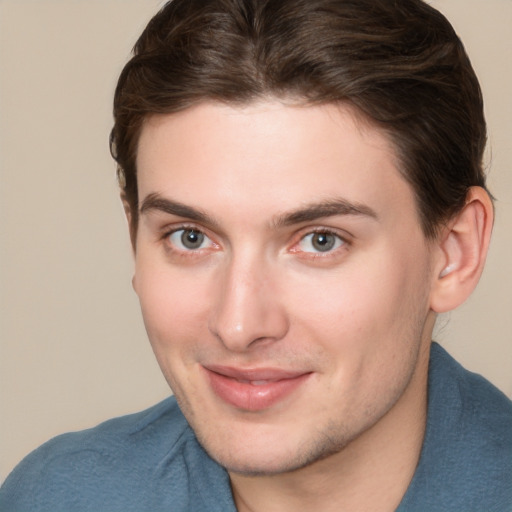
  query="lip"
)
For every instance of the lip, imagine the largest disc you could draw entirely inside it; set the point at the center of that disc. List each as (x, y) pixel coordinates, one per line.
(253, 389)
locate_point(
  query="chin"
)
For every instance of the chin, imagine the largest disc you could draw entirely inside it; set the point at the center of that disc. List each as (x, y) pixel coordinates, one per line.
(256, 466)
(274, 456)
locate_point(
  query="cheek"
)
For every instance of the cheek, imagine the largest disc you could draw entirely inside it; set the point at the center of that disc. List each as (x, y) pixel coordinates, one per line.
(377, 300)
(173, 307)
(175, 323)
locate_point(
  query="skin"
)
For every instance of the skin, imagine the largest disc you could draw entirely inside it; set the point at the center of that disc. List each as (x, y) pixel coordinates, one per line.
(258, 293)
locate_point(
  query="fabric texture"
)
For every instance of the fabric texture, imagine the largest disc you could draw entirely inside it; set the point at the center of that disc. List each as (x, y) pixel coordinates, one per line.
(151, 461)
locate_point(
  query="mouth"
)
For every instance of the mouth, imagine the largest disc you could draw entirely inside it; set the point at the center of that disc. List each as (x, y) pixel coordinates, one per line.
(254, 389)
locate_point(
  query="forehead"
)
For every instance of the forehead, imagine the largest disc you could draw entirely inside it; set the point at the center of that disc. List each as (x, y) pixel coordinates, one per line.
(268, 155)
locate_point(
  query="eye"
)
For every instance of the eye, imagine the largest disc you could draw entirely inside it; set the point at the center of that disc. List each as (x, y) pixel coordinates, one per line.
(321, 241)
(189, 240)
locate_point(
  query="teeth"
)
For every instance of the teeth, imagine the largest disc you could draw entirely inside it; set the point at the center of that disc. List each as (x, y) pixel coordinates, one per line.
(254, 382)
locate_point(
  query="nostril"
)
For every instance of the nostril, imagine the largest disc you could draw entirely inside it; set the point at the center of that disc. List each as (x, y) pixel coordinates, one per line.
(254, 330)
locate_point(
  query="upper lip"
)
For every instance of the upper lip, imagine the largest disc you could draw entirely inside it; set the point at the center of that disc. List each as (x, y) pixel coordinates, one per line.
(255, 374)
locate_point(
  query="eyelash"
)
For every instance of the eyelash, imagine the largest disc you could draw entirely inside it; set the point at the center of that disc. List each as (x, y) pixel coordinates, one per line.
(343, 242)
(183, 252)
(342, 239)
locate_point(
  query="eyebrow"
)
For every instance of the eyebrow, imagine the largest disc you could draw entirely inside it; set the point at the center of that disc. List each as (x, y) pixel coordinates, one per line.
(327, 208)
(155, 202)
(308, 213)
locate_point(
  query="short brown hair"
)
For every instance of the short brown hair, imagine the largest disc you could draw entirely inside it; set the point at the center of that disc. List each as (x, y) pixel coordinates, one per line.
(398, 62)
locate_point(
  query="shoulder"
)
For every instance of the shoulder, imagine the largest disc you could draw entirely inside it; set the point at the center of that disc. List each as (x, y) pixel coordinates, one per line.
(135, 462)
(466, 460)
(110, 442)
(479, 407)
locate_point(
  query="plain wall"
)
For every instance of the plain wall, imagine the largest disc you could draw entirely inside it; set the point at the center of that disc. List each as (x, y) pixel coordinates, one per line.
(73, 347)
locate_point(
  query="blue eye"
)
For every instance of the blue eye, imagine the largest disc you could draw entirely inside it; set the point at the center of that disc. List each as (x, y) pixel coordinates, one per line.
(322, 241)
(189, 239)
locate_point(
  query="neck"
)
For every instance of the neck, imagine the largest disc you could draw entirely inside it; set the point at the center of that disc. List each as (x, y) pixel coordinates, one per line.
(371, 473)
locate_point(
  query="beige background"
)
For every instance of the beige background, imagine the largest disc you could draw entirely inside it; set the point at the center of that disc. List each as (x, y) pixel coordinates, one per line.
(73, 348)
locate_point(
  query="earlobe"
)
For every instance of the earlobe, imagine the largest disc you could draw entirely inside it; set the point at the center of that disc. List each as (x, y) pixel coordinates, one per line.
(463, 249)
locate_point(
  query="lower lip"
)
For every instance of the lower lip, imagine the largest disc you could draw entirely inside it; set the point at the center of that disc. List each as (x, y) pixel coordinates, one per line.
(251, 397)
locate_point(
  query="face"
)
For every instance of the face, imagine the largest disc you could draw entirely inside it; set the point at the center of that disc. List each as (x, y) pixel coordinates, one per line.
(283, 278)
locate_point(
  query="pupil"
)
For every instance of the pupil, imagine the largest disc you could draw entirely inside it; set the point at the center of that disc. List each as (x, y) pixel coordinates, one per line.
(323, 241)
(192, 239)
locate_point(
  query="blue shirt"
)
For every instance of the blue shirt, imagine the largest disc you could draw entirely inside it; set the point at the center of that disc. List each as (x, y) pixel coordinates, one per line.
(152, 461)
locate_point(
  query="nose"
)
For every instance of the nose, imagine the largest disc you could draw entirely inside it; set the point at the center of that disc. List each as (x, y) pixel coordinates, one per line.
(248, 311)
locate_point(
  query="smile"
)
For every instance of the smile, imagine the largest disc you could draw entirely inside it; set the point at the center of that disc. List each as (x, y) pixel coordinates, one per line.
(255, 389)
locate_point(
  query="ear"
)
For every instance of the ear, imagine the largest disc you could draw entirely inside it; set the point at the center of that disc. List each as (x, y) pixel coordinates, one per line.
(462, 249)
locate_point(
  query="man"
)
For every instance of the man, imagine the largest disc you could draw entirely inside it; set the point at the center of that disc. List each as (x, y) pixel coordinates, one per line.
(304, 190)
